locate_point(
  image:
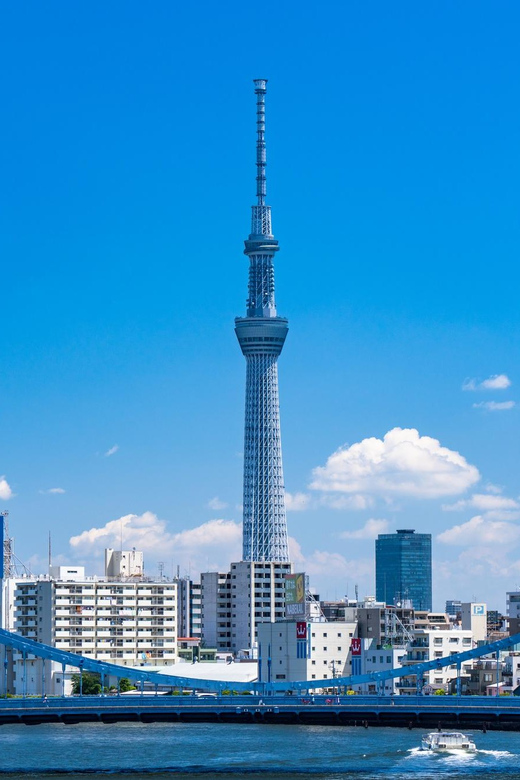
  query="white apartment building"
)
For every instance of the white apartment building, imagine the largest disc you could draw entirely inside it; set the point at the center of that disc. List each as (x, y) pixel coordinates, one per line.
(377, 658)
(235, 604)
(427, 645)
(323, 655)
(126, 623)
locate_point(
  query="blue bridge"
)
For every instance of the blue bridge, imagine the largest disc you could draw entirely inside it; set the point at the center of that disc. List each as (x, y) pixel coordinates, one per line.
(274, 702)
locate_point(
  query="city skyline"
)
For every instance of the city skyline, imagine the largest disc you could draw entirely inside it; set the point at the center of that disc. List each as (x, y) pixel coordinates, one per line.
(396, 203)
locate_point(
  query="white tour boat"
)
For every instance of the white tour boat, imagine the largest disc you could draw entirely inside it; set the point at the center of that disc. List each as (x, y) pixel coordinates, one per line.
(447, 740)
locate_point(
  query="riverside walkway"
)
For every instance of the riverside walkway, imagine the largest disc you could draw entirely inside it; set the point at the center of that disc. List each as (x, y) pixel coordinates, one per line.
(446, 712)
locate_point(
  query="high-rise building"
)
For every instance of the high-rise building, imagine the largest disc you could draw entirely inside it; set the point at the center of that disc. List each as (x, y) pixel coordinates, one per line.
(404, 569)
(261, 334)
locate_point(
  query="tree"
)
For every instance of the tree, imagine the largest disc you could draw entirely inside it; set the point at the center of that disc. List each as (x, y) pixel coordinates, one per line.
(125, 685)
(91, 684)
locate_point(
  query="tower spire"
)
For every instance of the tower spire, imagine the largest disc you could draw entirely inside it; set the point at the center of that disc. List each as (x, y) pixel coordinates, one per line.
(261, 188)
(261, 216)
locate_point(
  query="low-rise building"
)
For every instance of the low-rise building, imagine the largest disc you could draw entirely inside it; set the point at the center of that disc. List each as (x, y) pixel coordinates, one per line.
(298, 650)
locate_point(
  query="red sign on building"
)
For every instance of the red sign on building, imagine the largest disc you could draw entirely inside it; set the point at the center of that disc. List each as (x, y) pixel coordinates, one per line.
(301, 630)
(355, 646)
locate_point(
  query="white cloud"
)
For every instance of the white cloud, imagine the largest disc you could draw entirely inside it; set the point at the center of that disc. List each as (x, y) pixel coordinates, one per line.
(216, 504)
(328, 565)
(479, 531)
(495, 406)
(355, 502)
(206, 547)
(5, 489)
(296, 502)
(112, 451)
(494, 382)
(484, 502)
(53, 491)
(402, 463)
(370, 530)
(496, 489)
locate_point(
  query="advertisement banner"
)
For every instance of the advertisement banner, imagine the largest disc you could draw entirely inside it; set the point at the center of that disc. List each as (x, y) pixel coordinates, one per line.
(295, 595)
(301, 630)
(355, 646)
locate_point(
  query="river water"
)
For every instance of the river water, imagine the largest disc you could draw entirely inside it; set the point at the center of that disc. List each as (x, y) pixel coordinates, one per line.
(281, 752)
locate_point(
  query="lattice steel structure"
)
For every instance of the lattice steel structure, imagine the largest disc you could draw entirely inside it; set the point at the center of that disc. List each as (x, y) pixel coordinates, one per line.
(261, 334)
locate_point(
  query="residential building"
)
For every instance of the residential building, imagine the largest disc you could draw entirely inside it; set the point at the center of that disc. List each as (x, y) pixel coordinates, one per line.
(129, 623)
(427, 645)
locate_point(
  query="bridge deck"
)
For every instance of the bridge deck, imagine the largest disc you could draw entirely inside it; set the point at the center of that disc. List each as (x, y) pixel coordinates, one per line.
(405, 711)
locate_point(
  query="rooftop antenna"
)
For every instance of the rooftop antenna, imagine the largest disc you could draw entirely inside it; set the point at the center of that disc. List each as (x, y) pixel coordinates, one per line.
(356, 591)
(50, 552)
(160, 566)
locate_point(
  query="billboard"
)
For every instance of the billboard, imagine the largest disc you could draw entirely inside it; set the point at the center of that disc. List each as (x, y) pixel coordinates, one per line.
(355, 646)
(301, 630)
(294, 595)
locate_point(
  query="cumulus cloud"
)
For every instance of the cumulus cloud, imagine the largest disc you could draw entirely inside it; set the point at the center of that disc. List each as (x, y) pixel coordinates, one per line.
(403, 463)
(495, 406)
(494, 506)
(112, 451)
(494, 382)
(355, 502)
(296, 502)
(478, 531)
(208, 546)
(5, 489)
(216, 504)
(370, 530)
(53, 491)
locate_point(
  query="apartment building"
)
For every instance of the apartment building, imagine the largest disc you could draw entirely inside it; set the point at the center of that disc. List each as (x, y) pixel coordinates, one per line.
(129, 623)
(236, 603)
(427, 645)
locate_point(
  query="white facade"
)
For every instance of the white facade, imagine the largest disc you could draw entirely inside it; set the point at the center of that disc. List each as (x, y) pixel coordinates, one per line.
(474, 619)
(323, 655)
(126, 623)
(429, 645)
(375, 658)
(123, 564)
(234, 604)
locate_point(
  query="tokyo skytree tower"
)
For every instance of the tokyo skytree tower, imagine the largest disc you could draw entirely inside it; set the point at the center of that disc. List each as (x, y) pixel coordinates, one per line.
(261, 334)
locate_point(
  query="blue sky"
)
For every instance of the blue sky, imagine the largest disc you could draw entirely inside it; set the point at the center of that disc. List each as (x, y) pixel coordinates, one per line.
(127, 161)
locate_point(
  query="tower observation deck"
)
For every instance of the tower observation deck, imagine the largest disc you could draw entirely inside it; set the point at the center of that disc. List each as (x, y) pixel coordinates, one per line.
(261, 334)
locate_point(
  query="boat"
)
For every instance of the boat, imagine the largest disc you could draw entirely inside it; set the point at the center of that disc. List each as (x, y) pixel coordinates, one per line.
(439, 741)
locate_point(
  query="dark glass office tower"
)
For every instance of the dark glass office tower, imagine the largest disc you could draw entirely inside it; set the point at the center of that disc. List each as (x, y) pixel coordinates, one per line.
(404, 569)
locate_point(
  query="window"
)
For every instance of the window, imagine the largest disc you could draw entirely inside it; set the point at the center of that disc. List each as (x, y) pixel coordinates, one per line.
(325, 634)
(325, 663)
(280, 676)
(313, 663)
(313, 676)
(339, 649)
(339, 635)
